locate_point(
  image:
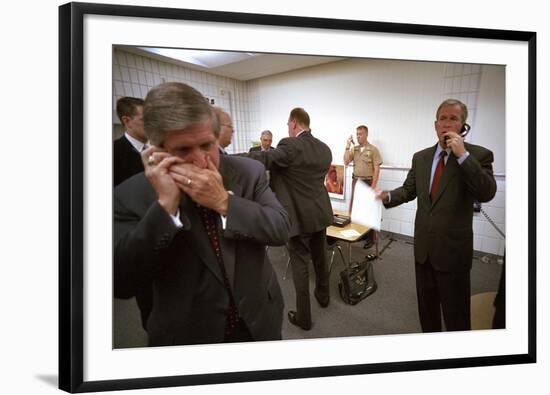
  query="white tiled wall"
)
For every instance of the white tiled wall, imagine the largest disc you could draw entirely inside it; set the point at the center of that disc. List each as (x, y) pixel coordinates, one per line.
(462, 82)
(134, 75)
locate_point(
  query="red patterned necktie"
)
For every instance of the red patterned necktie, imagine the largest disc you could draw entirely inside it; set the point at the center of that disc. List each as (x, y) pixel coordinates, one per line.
(437, 174)
(209, 219)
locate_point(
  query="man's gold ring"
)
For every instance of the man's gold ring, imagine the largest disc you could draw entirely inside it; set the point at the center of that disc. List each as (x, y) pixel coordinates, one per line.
(151, 160)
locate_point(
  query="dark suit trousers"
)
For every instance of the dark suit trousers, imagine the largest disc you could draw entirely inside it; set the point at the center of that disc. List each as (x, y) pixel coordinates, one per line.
(499, 319)
(448, 292)
(144, 299)
(300, 249)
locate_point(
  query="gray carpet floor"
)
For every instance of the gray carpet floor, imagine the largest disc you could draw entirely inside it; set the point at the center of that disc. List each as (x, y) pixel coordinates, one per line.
(390, 310)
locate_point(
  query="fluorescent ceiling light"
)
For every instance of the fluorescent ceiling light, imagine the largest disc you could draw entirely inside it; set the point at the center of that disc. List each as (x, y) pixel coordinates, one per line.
(203, 58)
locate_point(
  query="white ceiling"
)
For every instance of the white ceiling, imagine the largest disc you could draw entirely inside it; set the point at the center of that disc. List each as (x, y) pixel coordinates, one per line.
(238, 65)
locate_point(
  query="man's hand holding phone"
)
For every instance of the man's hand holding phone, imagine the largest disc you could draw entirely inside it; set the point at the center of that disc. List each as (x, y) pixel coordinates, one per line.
(349, 142)
(157, 163)
(455, 142)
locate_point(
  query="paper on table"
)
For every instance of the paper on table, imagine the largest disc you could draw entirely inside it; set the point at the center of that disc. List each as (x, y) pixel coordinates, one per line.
(367, 210)
(350, 233)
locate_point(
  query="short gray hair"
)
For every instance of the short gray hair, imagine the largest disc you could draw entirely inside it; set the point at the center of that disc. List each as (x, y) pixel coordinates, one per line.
(453, 102)
(175, 106)
(219, 111)
(265, 132)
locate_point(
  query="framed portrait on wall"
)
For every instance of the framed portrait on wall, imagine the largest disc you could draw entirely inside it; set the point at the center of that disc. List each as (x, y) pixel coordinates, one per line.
(90, 35)
(335, 181)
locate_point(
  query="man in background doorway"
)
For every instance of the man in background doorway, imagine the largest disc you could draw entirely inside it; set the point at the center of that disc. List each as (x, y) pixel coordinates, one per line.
(366, 167)
(266, 139)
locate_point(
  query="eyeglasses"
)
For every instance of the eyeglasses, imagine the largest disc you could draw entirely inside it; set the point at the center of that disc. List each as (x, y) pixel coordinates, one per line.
(227, 125)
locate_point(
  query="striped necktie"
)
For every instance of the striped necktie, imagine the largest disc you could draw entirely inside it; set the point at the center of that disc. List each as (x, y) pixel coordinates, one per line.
(209, 219)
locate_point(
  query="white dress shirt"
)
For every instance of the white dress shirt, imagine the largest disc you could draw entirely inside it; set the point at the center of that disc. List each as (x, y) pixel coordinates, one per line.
(138, 145)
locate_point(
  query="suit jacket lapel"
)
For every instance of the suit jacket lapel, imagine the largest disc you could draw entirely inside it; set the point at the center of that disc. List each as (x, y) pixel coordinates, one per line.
(449, 172)
(197, 233)
(427, 172)
(228, 245)
(197, 236)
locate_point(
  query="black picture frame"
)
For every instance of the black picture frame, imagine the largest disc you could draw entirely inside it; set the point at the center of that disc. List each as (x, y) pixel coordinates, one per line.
(71, 195)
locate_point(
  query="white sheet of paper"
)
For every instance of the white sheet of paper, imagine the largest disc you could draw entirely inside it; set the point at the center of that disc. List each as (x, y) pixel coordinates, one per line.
(367, 210)
(350, 233)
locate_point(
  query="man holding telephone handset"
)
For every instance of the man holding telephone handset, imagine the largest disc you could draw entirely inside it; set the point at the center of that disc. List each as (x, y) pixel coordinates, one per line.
(446, 178)
(193, 228)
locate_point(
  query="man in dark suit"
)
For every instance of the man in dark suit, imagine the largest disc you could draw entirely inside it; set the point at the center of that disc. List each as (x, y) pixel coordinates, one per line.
(126, 163)
(298, 167)
(266, 138)
(127, 149)
(195, 226)
(446, 178)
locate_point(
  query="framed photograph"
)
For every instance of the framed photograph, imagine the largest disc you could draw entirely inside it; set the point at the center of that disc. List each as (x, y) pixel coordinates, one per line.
(93, 75)
(335, 181)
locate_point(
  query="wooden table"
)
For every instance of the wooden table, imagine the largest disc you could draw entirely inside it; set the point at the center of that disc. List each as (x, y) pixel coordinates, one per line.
(336, 233)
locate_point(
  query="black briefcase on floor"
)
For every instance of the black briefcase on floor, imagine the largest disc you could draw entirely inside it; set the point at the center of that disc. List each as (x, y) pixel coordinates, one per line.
(357, 282)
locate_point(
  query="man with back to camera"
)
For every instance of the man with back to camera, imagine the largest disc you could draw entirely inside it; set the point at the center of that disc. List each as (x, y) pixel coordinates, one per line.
(126, 163)
(446, 178)
(266, 139)
(195, 226)
(366, 167)
(298, 167)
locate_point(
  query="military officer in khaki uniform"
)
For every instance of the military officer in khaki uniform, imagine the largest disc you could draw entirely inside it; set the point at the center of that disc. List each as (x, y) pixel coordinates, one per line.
(366, 163)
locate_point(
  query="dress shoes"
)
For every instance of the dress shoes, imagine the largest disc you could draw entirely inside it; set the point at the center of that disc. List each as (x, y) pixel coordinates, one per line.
(323, 301)
(368, 244)
(294, 321)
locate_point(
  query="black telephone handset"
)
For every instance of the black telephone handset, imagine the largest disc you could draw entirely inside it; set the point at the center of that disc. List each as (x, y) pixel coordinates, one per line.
(465, 130)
